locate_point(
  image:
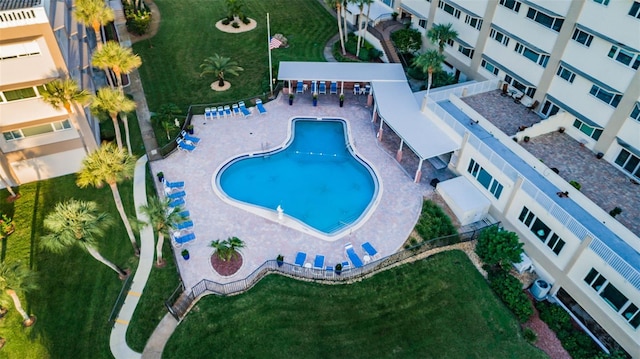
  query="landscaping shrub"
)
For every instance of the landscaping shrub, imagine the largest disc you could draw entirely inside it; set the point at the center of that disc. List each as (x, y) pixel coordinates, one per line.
(138, 18)
(575, 184)
(498, 247)
(226, 21)
(245, 20)
(433, 222)
(530, 336)
(407, 40)
(509, 290)
(575, 341)
(235, 25)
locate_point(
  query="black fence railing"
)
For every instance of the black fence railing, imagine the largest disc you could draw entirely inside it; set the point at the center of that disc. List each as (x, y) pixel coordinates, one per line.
(121, 297)
(180, 303)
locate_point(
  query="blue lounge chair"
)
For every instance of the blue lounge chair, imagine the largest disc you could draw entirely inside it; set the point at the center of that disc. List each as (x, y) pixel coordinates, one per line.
(328, 271)
(184, 225)
(260, 107)
(208, 114)
(353, 257)
(182, 145)
(314, 87)
(185, 238)
(245, 111)
(178, 184)
(227, 110)
(193, 139)
(236, 109)
(184, 214)
(356, 89)
(176, 195)
(323, 87)
(300, 87)
(318, 263)
(300, 258)
(334, 88)
(220, 111)
(177, 202)
(367, 90)
(371, 251)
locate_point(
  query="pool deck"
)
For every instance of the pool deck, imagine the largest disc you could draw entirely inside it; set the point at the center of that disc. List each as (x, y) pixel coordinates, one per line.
(387, 228)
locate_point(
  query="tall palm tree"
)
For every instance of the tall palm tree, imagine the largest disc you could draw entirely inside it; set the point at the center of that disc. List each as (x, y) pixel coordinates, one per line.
(429, 62)
(17, 279)
(366, 24)
(65, 93)
(113, 102)
(359, 25)
(337, 5)
(162, 218)
(77, 223)
(121, 60)
(218, 65)
(441, 33)
(109, 165)
(7, 185)
(94, 14)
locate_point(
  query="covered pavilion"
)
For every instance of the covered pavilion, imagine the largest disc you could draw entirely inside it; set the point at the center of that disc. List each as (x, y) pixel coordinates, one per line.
(391, 96)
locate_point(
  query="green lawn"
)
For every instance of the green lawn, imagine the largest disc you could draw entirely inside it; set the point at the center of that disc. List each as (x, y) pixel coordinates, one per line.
(440, 307)
(187, 35)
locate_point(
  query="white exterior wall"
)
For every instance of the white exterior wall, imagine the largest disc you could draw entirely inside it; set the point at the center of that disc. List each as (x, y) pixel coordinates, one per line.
(49, 166)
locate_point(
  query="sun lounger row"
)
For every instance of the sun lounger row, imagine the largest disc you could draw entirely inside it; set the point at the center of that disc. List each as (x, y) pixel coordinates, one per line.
(317, 87)
(185, 145)
(236, 109)
(358, 90)
(183, 228)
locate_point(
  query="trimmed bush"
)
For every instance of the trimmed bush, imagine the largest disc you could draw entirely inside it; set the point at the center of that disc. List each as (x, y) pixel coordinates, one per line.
(498, 247)
(235, 25)
(529, 335)
(433, 222)
(509, 290)
(226, 21)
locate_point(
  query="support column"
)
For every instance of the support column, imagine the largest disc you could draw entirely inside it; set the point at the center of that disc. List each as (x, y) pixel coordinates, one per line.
(418, 172)
(399, 153)
(586, 242)
(374, 117)
(380, 129)
(369, 99)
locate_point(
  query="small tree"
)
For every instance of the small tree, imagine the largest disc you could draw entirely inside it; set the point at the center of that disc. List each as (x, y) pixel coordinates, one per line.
(498, 247)
(407, 41)
(17, 279)
(218, 65)
(440, 34)
(227, 249)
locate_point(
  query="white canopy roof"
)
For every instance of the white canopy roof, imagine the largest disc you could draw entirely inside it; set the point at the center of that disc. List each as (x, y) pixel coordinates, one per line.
(399, 109)
(396, 103)
(340, 71)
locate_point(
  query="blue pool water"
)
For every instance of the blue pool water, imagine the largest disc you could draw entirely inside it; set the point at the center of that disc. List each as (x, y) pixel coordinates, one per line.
(315, 178)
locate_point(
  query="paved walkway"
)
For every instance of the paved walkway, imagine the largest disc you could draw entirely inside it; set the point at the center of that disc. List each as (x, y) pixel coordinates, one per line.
(118, 339)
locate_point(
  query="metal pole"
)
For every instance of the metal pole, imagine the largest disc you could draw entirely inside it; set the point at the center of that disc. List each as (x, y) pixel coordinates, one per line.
(269, 47)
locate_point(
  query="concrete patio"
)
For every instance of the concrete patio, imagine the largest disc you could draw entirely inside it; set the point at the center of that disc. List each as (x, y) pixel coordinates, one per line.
(387, 228)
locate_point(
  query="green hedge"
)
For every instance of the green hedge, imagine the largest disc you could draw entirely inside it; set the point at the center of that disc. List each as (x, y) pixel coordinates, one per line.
(433, 222)
(509, 290)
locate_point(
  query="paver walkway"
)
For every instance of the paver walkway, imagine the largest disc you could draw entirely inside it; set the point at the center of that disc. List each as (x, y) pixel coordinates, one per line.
(118, 339)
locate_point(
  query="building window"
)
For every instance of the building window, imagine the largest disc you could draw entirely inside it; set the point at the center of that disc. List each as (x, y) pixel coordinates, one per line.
(22, 49)
(14, 95)
(485, 179)
(624, 57)
(613, 297)
(603, 2)
(449, 9)
(539, 59)
(422, 23)
(474, 22)
(530, 91)
(549, 108)
(554, 23)
(468, 52)
(37, 130)
(582, 37)
(635, 10)
(629, 162)
(499, 37)
(489, 67)
(635, 113)
(590, 131)
(610, 98)
(511, 4)
(541, 230)
(566, 74)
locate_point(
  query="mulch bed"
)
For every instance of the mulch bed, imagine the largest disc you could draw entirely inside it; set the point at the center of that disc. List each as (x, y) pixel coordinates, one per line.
(547, 340)
(226, 268)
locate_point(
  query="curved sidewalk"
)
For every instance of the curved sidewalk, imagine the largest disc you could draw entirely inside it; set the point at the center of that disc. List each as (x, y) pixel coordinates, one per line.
(118, 339)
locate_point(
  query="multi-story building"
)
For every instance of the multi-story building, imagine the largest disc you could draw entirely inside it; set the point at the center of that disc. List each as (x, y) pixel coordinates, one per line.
(40, 41)
(575, 63)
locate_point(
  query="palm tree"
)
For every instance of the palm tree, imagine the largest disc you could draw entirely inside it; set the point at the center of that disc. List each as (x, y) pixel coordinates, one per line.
(64, 93)
(366, 25)
(359, 25)
(121, 60)
(94, 14)
(228, 248)
(7, 185)
(162, 218)
(77, 223)
(218, 65)
(113, 102)
(109, 165)
(337, 5)
(429, 62)
(440, 34)
(17, 279)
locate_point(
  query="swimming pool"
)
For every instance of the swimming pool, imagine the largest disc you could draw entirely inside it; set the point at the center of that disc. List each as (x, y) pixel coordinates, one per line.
(316, 178)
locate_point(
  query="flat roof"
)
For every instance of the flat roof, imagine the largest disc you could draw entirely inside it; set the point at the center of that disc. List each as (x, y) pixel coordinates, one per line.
(340, 71)
(18, 4)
